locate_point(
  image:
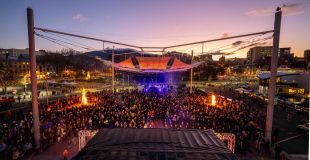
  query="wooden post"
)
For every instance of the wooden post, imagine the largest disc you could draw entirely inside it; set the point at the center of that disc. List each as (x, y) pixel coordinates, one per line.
(33, 76)
(113, 76)
(273, 73)
(46, 90)
(128, 79)
(191, 76)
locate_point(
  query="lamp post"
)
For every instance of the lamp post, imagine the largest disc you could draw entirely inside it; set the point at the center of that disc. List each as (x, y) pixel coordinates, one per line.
(113, 76)
(46, 89)
(191, 75)
(25, 83)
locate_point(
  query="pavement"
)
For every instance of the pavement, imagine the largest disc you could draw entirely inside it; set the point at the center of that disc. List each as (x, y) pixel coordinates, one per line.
(55, 151)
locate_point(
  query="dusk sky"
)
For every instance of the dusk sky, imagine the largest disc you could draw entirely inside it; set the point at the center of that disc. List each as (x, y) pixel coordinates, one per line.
(156, 23)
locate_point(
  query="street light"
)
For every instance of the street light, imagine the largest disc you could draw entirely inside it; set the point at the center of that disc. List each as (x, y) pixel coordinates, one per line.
(87, 76)
(25, 83)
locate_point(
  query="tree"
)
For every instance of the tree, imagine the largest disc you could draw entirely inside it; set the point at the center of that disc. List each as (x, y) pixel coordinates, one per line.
(6, 75)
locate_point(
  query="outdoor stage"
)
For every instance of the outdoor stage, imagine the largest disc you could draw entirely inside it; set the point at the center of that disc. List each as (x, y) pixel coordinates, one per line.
(155, 143)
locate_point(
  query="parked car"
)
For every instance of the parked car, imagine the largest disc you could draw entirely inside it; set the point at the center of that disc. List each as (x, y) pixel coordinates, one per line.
(300, 109)
(210, 85)
(304, 127)
(6, 99)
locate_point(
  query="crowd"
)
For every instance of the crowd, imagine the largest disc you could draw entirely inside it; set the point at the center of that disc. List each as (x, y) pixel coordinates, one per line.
(64, 118)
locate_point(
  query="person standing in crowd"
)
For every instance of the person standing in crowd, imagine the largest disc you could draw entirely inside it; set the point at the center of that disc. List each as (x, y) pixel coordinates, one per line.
(277, 151)
(65, 154)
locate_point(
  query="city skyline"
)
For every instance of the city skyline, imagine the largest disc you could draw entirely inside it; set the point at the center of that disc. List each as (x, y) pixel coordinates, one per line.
(156, 23)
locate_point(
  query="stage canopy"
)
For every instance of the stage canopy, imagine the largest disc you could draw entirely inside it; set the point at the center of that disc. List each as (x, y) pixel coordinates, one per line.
(155, 144)
(154, 64)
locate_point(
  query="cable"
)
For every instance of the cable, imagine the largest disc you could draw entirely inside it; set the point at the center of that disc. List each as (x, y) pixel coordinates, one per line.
(244, 45)
(52, 41)
(212, 50)
(64, 42)
(250, 45)
(70, 40)
(232, 46)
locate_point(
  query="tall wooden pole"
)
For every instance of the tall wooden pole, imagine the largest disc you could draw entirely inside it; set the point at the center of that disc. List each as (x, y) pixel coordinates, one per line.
(128, 79)
(113, 76)
(33, 76)
(273, 73)
(123, 80)
(46, 90)
(191, 76)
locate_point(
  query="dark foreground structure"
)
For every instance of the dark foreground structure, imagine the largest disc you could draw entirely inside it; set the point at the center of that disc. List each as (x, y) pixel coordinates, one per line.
(155, 144)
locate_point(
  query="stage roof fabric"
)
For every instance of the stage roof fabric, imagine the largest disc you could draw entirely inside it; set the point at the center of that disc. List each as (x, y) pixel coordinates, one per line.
(155, 64)
(126, 64)
(155, 144)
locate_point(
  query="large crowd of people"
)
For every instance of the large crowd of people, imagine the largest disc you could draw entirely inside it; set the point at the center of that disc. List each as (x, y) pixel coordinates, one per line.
(65, 117)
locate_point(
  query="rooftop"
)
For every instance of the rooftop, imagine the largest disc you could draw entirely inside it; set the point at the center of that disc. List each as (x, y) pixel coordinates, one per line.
(155, 143)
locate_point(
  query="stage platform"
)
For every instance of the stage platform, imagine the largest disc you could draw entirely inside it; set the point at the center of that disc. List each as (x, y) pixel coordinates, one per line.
(155, 144)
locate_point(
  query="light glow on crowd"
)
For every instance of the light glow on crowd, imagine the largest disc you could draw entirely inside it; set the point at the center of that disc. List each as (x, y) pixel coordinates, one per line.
(213, 100)
(84, 99)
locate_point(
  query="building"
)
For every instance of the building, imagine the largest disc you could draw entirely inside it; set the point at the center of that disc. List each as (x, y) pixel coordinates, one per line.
(14, 54)
(235, 61)
(204, 57)
(307, 55)
(256, 53)
(285, 51)
(286, 83)
(286, 58)
(18, 67)
(259, 52)
(222, 60)
(300, 62)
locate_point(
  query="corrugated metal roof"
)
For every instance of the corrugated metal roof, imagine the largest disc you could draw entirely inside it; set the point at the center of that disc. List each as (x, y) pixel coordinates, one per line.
(279, 74)
(155, 143)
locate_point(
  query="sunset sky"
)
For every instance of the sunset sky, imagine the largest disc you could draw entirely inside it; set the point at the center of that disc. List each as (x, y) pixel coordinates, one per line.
(156, 23)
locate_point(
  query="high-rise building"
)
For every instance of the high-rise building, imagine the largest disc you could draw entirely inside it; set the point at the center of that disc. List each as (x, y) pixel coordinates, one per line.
(263, 52)
(284, 51)
(307, 55)
(256, 53)
(286, 58)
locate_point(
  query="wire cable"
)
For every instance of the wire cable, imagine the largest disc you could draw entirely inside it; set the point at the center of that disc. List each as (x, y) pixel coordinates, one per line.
(53, 41)
(250, 45)
(64, 42)
(212, 50)
(70, 40)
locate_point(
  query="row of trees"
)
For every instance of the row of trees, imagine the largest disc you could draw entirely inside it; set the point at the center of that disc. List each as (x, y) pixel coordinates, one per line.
(69, 59)
(60, 61)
